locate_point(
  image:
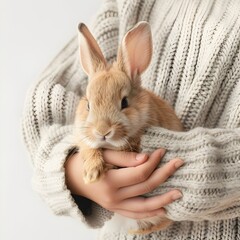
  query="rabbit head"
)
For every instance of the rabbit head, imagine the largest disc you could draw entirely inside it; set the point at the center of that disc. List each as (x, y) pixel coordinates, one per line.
(115, 108)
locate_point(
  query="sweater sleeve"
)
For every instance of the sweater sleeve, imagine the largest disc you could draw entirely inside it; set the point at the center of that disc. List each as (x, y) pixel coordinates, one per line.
(48, 117)
(210, 177)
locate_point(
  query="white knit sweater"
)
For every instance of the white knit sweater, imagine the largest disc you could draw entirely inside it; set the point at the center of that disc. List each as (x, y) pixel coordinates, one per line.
(196, 67)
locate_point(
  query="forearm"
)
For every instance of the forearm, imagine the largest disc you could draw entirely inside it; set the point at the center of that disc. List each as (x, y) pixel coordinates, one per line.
(210, 176)
(51, 100)
(48, 121)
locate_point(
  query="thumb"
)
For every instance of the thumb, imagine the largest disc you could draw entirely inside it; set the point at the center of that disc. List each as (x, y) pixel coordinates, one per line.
(124, 159)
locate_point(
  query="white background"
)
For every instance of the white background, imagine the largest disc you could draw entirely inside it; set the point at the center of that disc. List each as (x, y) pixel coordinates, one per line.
(31, 34)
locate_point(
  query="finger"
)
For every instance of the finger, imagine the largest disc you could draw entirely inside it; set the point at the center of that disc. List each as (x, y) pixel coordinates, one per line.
(170, 168)
(158, 177)
(124, 159)
(141, 204)
(141, 215)
(134, 175)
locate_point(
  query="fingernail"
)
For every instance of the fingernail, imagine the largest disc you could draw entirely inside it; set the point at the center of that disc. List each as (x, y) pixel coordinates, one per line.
(178, 163)
(163, 151)
(141, 156)
(176, 196)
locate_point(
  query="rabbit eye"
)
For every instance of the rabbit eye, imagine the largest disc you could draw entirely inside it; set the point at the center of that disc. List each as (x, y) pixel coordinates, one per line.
(124, 103)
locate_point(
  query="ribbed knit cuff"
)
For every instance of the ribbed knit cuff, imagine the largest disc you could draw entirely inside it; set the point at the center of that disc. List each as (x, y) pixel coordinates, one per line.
(49, 177)
(209, 178)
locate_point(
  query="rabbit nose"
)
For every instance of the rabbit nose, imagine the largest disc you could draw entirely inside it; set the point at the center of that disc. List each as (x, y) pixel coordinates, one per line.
(101, 135)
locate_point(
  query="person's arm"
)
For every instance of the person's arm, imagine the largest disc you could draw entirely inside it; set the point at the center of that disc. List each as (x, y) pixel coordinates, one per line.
(48, 117)
(47, 125)
(210, 177)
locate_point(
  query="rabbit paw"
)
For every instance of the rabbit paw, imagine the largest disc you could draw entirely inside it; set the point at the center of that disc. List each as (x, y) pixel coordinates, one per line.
(92, 173)
(94, 166)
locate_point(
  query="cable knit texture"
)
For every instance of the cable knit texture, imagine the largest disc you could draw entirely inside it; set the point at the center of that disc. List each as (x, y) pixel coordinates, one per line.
(196, 68)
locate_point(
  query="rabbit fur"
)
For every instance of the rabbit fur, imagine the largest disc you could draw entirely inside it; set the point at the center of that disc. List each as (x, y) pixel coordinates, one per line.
(116, 109)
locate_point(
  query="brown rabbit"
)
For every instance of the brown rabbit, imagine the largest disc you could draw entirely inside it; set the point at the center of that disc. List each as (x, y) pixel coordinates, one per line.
(116, 109)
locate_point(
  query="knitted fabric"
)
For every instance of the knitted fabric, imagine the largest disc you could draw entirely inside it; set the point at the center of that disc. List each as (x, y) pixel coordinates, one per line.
(196, 68)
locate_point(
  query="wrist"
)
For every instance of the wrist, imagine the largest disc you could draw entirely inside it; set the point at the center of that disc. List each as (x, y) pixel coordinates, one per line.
(73, 166)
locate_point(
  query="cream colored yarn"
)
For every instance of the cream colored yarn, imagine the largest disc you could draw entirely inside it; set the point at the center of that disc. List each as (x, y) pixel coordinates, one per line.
(196, 67)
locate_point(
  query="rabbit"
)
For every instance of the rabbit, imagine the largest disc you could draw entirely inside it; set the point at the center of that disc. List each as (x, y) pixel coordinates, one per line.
(116, 109)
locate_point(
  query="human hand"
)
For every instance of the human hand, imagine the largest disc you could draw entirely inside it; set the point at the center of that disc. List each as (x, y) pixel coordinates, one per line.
(120, 190)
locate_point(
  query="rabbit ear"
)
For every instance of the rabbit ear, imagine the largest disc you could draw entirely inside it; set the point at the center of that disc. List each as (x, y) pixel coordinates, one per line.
(136, 50)
(91, 57)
